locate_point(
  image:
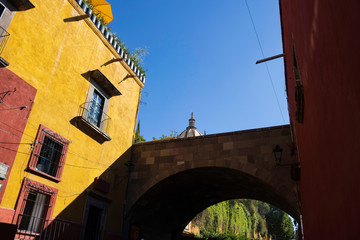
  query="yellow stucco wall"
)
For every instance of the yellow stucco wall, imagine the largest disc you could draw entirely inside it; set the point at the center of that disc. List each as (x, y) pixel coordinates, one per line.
(51, 55)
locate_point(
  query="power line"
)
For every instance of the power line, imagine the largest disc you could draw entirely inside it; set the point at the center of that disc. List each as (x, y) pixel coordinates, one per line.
(25, 119)
(262, 52)
(75, 153)
(20, 131)
(9, 149)
(3, 130)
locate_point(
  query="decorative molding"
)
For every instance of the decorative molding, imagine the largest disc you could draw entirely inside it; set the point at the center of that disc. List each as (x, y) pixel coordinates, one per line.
(38, 186)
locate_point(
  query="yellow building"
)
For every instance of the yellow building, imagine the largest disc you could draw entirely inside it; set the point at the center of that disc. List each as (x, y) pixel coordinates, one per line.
(73, 151)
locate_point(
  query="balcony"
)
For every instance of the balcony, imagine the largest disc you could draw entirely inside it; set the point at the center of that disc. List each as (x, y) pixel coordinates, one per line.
(4, 36)
(93, 122)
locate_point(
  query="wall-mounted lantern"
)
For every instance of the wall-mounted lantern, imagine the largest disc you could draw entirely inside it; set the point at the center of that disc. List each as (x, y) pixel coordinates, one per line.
(277, 154)
(295, 167)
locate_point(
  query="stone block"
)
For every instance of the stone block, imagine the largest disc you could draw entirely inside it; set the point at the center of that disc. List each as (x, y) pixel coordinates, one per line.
(164, 152)
(150, 160)
(243, 159)
(180, 163)
(178, 157)
(188, 157)
(228, 145)
(145, 154)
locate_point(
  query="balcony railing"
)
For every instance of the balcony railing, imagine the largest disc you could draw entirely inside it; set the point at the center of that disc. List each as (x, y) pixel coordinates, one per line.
(4, 35)
(98, 119)
(56, 229)
(94, 124)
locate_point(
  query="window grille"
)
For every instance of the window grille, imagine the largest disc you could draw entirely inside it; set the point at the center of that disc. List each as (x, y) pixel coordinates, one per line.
(34, 210)
(33, 216)
(49, 154)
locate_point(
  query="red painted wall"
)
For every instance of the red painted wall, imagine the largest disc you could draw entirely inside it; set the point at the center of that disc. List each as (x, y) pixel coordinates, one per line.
(12, 119)
(326, 38)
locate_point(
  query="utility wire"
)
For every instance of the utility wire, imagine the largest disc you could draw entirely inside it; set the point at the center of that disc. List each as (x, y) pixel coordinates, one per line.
(12, 150)
(25, 119)
(22, 132)
(3, 130)
(262, 52)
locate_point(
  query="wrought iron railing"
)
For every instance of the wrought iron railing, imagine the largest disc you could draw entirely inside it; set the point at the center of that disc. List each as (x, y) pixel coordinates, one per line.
(46, 230)
(98, 119)
(4, 35)
(57, 229)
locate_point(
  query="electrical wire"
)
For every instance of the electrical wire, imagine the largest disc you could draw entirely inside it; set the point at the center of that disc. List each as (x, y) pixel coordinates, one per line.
(75, 153)
(25, 119)
(9, 149)
(3, 130)
(32, 141)
(263, 55)
(20, 131)
(67, 164)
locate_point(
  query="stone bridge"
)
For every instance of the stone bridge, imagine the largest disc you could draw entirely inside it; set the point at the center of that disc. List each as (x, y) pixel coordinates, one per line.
(174, 180)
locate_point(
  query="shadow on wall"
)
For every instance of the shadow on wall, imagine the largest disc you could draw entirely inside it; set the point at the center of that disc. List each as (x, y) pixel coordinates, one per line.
(100, 204)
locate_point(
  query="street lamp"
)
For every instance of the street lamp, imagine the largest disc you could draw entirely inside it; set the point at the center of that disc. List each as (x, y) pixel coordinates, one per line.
(295, 166)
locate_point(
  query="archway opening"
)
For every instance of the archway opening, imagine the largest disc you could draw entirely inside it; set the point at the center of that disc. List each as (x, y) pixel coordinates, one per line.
(165, 209)
(240, 219)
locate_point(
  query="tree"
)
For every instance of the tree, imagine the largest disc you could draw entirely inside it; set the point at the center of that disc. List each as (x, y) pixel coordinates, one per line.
(139, 138)
(279, 224)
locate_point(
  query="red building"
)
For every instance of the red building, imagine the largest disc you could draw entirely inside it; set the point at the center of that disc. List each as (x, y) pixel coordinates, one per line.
(16, 100)
(321, 46)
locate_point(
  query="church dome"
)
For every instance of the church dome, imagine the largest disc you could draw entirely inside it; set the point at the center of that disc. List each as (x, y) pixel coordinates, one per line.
(191, 130)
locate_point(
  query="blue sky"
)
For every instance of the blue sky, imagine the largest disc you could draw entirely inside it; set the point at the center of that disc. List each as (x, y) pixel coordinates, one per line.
(201, 59)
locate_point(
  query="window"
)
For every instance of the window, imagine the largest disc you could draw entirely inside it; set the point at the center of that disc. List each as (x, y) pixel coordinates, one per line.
(34, 208)
(93, 119)
(96, 109)
(33, 217)
(49, 154)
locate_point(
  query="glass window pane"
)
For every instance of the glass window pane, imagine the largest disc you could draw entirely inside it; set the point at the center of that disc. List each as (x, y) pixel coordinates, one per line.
(33, 217)
(49, 157)
(96, 108)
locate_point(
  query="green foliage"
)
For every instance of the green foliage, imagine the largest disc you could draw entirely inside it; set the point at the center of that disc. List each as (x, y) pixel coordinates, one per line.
(139, 138)
(89, 5)
(279, 224)
(173, 134)
(241, 218)
(230, 217)
(138, 55)
(222, 236)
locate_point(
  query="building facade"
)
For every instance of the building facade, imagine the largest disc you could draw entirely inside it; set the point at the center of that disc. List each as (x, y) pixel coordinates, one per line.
(320, 40)
(69, 98)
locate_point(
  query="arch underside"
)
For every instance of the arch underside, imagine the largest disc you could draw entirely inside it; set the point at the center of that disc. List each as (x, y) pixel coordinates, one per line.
(164, 210)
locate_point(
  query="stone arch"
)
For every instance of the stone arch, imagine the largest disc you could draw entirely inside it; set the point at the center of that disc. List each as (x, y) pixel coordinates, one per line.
(229, 165)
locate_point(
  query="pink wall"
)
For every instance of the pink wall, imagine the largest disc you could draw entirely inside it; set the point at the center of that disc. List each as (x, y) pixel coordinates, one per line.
(12, 119)
(326, 39)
